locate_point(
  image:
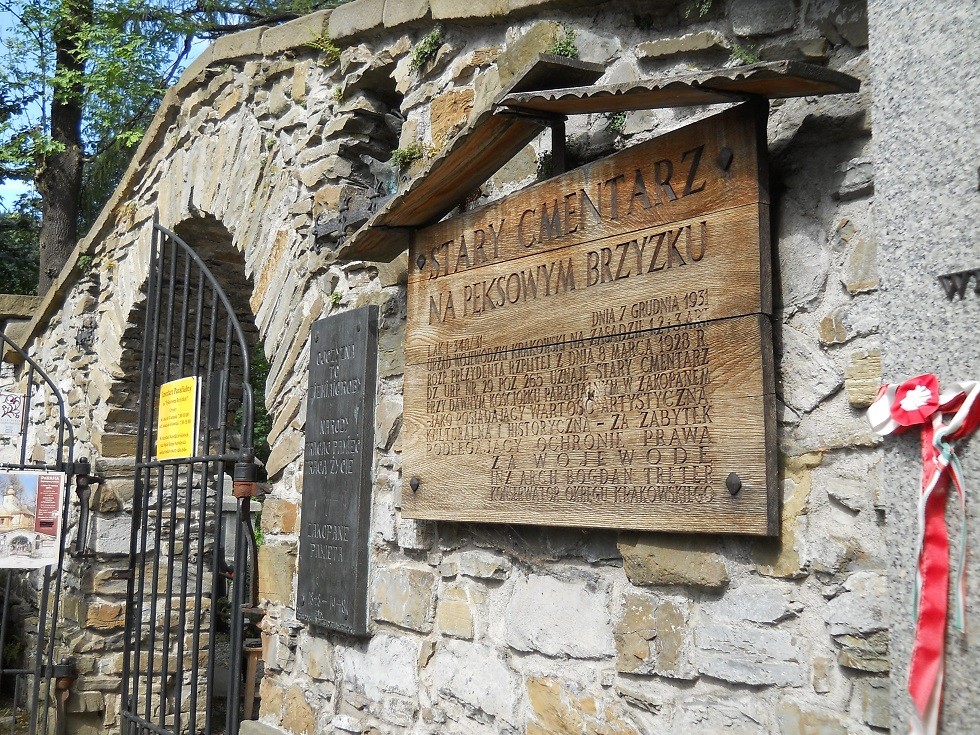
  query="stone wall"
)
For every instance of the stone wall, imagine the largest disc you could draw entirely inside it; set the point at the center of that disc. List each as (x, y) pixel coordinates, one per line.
(507, 629)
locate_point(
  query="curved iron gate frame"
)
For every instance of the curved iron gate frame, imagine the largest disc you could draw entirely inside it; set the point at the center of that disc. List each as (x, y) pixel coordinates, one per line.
(43, 670)
(163, 278)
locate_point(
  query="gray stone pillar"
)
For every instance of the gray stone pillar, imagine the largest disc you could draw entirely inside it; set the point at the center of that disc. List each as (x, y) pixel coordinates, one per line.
(925, 87)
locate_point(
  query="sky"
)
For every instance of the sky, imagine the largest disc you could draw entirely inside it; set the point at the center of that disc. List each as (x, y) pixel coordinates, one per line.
(9, 190)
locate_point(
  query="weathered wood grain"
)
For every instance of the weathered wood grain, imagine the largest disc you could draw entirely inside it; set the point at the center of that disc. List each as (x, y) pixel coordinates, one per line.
(620, 432)
(637, 281)
(595, 350)
(772, 80)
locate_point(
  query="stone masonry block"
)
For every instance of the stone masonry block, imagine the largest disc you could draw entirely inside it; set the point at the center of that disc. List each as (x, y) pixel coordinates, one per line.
(85, 702)
(454, 615)
(795, 720)
(237, 45)
(468, 9)
(654, 637)
(700, 41)
(116, 445)
(844, 323)
(271, 696)
(537, 40)
(403, 596)
(277, 566)
(295, 33)
(862, 378)
(808, 375)
(449, 113)
(399, 12)
(782, 557)
(254, 727)
(356, 17)
(105, 616)
(286, 450)
(873, 697)
(749, 655)
(562, 707)
(481, 564)
(298, 716)
(761, 17)
(672, 559)
(861, 270)
(278, 515)
(558, 618)
(633, 633)
(18, 307)
(477, 676)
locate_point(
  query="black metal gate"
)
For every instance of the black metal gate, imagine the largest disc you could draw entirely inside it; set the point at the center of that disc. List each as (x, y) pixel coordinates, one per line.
(189, 574)
(33, 689)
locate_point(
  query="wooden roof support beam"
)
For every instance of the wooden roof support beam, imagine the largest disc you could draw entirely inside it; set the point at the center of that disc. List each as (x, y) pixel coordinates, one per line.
(773, 80)
(497, 136)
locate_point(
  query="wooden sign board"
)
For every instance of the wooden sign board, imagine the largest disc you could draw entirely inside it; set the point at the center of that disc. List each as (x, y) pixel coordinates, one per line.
(596, 350)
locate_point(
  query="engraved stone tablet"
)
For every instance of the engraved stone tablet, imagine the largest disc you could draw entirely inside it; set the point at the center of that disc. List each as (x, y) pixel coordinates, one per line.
(596, 350)
(336, 512)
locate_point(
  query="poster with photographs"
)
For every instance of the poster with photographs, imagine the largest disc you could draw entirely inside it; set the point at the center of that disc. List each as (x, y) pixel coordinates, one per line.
(30, 518)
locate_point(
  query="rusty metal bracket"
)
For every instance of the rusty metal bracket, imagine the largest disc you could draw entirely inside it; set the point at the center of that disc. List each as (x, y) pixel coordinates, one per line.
(245, 484)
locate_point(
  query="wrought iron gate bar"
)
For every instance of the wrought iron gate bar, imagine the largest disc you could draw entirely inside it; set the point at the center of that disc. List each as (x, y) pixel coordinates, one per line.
(190, 330)
(44, 671)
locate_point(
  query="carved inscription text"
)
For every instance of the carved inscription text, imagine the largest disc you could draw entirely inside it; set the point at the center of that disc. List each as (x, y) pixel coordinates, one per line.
(594, 351)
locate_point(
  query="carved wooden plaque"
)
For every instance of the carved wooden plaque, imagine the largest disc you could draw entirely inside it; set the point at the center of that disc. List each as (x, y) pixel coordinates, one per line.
(335, 525)
(596, 350)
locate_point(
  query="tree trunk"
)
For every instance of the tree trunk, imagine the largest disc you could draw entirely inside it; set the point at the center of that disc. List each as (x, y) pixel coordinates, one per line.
(59, 177)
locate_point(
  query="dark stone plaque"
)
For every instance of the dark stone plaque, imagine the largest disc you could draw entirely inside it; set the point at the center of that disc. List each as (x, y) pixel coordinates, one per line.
(336, 513)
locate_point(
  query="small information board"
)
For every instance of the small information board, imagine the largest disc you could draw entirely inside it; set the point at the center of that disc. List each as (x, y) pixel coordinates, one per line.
(177, 419)
(30, 518)
(596, 350)
(11, 413)
(338, 456)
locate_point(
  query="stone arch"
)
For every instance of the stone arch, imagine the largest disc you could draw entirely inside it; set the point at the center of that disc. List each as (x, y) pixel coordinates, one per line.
(213, 242)
(103, 586)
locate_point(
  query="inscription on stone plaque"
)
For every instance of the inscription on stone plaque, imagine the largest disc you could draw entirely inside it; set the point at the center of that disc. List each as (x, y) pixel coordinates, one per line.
(333, 541)
(596, 350)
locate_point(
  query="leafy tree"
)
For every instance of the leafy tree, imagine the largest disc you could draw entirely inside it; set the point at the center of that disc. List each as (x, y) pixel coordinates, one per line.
(79, 82)
(18, 247)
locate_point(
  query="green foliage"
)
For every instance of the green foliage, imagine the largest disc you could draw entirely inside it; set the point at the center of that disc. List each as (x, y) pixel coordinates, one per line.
(744, 54)
(617, 121)
(18, 248)
(261, 420)
(335, 297)
(402, 158)
(546, 166)
(85, 263)
(565, 46)
(426, 49)
(131, 51)
(329, 52)
(697, 7)
(12, 649)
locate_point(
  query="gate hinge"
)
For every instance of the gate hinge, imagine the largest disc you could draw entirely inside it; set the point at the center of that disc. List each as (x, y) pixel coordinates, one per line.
(244, 483)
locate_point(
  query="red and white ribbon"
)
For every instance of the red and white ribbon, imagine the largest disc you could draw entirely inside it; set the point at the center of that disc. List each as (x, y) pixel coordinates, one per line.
(898, 407)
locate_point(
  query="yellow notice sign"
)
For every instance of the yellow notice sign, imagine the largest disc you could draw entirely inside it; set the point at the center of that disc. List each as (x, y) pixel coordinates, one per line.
(177, 419)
